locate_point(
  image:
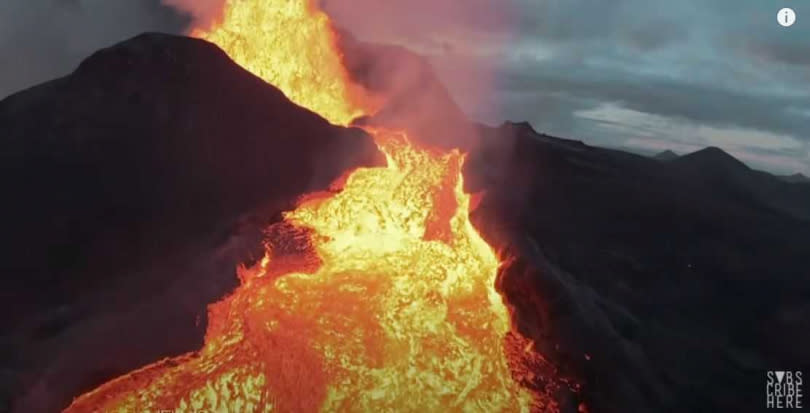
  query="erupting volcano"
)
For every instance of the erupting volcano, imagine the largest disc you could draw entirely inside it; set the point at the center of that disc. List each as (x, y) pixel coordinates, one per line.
(376, 296)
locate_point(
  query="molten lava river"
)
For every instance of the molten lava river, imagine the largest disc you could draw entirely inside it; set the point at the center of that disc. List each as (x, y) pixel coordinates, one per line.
(392, 304)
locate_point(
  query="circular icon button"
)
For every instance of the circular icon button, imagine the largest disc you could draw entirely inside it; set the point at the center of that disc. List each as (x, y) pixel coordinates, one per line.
(786, 17)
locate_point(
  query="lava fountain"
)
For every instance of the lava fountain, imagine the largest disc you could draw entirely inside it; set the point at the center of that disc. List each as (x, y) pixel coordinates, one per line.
(388, 305)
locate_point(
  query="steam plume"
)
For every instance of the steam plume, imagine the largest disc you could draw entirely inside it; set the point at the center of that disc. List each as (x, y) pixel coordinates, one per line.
(460, 39)
(204, 12)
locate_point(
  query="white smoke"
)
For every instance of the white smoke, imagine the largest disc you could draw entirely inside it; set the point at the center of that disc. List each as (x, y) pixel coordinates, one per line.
(462, 39)
(204, 12)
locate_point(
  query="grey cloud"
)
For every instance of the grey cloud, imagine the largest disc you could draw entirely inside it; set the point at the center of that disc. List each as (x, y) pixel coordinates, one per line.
(631, 22)
(792, 53)
(44, 39)
(699, 103)
(723, 64)
(654, 35)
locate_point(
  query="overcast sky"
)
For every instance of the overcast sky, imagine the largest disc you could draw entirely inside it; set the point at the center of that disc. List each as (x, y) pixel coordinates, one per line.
(639, 74)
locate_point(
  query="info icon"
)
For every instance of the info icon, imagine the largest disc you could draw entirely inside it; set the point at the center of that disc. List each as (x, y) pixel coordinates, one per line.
(786, 17)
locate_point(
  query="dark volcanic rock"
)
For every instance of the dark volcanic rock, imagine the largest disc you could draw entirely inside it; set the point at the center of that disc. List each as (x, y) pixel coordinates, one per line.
(120, 179)
(681, 281)
(154, 137)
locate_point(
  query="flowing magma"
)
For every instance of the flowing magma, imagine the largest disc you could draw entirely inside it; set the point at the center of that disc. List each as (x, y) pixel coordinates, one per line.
(291, 45)
(390, 305)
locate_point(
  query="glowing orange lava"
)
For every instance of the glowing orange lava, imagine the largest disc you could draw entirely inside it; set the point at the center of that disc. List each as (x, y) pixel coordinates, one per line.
(399, 311)
(291, 45)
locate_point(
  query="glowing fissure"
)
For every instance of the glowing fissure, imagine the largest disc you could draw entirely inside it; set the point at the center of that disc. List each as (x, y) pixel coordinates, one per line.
(399, 313)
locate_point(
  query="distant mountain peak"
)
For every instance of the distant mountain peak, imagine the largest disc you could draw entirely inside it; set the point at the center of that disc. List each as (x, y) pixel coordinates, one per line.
(710, 158)
(796, 178)
(666, 155)
(526, 129)
(524, 125)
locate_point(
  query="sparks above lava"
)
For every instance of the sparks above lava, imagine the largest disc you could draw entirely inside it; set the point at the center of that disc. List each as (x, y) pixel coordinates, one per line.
(399, 312)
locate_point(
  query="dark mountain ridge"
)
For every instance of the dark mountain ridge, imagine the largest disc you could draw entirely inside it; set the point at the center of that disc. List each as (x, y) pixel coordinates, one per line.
(675, 278)
(735, 179)
(796, 178)
(110, 160)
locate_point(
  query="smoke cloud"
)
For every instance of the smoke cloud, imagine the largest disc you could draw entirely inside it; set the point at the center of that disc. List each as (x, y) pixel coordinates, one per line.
(463, 40)
(204, 12)
(442, 66)
(433, 61)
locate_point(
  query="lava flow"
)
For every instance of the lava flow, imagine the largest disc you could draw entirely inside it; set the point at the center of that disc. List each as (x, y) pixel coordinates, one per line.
(391, 306)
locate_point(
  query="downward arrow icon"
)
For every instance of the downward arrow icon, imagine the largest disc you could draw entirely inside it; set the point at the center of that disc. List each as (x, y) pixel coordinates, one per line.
(780, 375)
